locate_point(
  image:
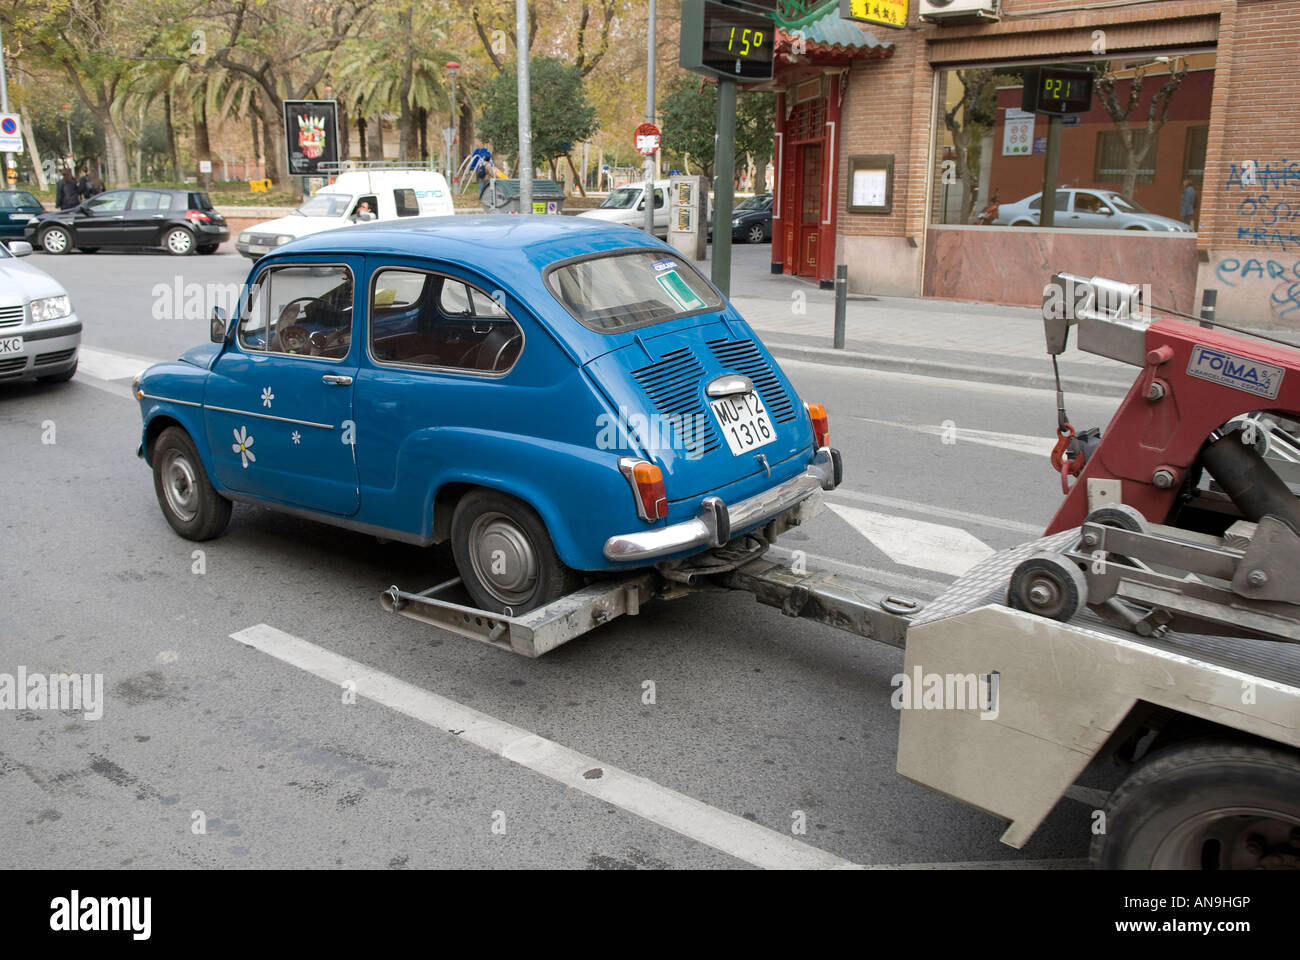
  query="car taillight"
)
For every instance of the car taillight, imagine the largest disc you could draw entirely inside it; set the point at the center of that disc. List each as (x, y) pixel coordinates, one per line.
(647, 483)
(197, 216)
(821, 426)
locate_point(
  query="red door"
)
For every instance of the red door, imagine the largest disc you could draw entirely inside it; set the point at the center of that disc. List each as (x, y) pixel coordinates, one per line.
(810, 208)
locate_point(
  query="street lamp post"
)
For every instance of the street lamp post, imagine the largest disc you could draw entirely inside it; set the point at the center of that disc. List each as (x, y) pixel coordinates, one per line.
(11, 171)
(649, 194)
(453, 70)
(525, 108)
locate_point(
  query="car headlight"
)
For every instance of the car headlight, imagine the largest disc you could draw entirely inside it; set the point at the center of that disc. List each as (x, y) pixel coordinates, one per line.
(283, 238)
(243, 237)
(735, 223)
(51, 308)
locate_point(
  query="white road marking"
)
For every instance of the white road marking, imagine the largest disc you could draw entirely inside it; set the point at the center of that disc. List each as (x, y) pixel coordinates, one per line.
(917, 587)
(731, 834)
(1018, 442)
(930, 510)
(109, 364)
(915, 543)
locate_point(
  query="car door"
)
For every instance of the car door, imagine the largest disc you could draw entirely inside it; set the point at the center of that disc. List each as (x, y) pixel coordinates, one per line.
(1089, 212)
(101, 220)
(278, 405)
(146, 214)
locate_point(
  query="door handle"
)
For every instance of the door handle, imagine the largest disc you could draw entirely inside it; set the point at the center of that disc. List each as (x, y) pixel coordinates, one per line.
(336, 380)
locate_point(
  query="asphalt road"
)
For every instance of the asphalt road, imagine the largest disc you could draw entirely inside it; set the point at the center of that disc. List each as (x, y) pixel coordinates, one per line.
(754, 717)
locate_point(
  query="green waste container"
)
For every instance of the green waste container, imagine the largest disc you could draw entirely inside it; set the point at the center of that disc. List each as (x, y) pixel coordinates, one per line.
(502, 196)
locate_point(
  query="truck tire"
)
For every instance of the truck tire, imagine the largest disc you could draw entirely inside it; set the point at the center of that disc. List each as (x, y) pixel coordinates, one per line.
(505, 555)
(188, 500)
(1209, 805)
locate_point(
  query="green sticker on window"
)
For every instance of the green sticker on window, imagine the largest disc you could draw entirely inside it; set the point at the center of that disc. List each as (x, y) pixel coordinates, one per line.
(676, 288)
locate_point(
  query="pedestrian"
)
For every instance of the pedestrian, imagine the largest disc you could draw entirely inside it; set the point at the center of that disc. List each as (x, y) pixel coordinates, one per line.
(67, 196)
(83, 186)
(96, 184)
(1187, 206)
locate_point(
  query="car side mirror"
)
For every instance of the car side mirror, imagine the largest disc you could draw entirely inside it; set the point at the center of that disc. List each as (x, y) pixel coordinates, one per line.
(641, 205)
(220, 324)
(19, 248)
(1106, 212)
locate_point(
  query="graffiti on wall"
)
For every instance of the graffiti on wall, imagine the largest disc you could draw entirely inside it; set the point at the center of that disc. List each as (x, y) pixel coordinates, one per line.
(1265, 196)
(1282, 277)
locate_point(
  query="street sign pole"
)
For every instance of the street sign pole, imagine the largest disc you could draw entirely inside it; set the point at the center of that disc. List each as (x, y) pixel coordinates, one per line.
(525, 99)
(650, 119)
(4, 107)
(724, 170)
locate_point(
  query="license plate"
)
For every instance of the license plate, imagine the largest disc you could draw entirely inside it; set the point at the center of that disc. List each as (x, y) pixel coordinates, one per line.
(23, 217)
(11, 345)
(744, 422)
(258, 248)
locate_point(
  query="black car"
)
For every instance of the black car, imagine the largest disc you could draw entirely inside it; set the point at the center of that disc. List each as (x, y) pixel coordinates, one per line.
(752, 219)
(179, 221)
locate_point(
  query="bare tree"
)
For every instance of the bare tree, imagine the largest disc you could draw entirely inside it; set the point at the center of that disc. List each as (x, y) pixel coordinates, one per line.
(1106, 87)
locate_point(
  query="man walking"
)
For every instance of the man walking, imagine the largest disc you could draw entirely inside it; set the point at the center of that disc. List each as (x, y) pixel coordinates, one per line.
(68, 195)
(1187, 206)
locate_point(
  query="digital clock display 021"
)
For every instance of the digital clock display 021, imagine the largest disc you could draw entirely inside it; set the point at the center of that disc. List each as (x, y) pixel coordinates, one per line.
(1057, 91)
(737, 44)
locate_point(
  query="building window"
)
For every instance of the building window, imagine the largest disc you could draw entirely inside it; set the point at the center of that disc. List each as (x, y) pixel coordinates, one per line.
(1198, 140)
(1113, 156)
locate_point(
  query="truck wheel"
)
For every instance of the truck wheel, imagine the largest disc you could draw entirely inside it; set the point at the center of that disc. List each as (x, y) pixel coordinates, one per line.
(1049, 585)
(504, 554)
(1205, 806)
(189, 501)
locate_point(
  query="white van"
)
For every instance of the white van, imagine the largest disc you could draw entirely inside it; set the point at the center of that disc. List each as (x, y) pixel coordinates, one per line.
(356, 196)
(627, 205)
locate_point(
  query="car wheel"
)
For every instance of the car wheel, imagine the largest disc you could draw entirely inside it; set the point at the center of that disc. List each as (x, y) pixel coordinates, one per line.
(1137, 228)
(63, 377)
(189, 501)
(1023, 223)
(504, 554)
(1213, 805)
(56, 240)
(208, 248)
(179, 242)
(754, 234)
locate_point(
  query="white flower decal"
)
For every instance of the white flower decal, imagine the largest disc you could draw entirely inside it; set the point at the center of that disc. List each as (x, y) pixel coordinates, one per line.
(297, 437)
(242, 442)
(267, 396)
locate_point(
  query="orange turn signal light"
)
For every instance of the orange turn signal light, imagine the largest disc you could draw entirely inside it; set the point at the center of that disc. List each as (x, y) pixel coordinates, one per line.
(820, 424)
(647, 482)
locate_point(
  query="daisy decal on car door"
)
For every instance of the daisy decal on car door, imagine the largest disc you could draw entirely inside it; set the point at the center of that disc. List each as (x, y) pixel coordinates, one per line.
(241, 446)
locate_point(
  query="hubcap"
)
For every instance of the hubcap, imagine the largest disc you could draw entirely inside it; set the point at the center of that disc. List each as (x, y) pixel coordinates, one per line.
(1234, 838)
(54, 241)
(503, 558)
(178, 241)
(755, 234)
(179, 486)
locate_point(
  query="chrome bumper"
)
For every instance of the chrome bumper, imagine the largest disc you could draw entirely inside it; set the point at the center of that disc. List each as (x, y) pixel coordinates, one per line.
(713, 525)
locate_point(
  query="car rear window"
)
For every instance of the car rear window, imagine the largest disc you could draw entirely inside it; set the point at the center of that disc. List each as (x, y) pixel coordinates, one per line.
(200, 201)
(612, 293)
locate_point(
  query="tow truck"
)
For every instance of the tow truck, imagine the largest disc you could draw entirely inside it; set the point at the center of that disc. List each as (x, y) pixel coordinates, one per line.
(1153, 631)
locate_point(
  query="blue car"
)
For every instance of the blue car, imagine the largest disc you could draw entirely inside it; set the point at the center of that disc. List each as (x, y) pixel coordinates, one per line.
(557, 397)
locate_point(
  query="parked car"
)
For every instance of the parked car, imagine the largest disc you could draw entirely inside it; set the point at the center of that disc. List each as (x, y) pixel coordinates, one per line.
(627, 205)
(581, 401)
(752, 219)
(356, 196)
(179, 221)
(1088, 209)
(39, 332)
(16, 208)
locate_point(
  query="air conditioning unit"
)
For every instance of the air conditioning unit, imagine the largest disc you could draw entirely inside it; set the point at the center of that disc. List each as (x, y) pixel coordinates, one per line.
(960, 11)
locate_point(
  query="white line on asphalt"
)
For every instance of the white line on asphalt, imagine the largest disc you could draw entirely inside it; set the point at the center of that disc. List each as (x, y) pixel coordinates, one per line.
(109, 364)
(915, 543)
(723, 831)
(930, 510)
(919, 587)
(1016, 442)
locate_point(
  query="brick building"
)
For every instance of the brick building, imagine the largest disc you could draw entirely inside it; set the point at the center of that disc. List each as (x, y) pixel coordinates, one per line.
(887, 98)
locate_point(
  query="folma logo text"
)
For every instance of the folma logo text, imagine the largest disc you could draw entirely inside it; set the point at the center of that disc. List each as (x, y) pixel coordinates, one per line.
(102, 913)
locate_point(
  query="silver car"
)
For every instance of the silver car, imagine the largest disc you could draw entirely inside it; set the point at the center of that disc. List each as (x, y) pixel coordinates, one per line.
(1089, 209)
(39, 332)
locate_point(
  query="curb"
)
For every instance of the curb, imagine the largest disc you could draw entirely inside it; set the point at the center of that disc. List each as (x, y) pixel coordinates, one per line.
(951, 371)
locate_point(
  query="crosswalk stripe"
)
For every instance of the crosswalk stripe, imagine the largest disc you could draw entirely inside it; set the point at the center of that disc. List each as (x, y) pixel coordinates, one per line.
(1017, 442)
(109, 364)
(916, 543)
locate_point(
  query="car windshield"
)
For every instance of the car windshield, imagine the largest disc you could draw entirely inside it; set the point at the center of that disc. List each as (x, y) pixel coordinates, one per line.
(1124, 206)
(18, 200)
(621, 199)
(610, 294)
(753, 203)
(326, 205)
(4, 252)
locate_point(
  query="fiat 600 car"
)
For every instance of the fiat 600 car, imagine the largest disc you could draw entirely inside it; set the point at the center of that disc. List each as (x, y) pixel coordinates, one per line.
(558, 398)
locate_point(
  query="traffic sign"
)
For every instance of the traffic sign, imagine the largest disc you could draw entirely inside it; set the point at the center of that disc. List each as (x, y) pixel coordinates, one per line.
(11, 135)
(647, 139)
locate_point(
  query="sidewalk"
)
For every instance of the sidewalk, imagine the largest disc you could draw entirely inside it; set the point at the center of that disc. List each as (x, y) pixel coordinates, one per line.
(939, 338)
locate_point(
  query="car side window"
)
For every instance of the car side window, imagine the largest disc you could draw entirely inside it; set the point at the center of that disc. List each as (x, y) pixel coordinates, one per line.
(112, 202)
(659, 197)
(408, 205)
(303, 311)
(430, 320)
(1087, 203)
(150, 200)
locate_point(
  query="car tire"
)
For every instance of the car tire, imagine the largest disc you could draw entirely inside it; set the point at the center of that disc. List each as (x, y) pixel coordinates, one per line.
(755, 234)
(179, 242)
(505, 555)
(189, 502)
(56, 240)
(1024, 223)
(1209, 805)
(61, 377)
(208, 248)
